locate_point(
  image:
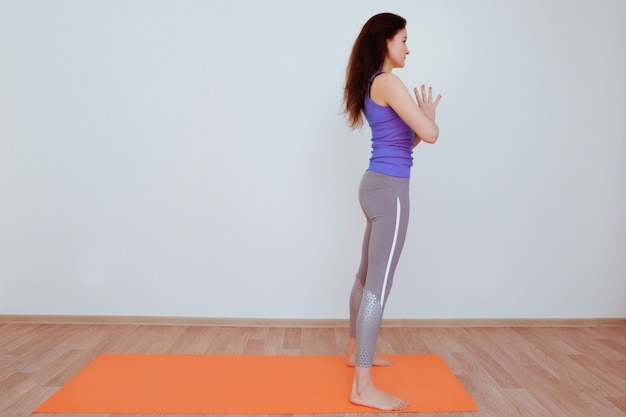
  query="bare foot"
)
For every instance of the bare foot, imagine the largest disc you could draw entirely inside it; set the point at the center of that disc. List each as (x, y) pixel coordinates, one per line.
(378, 361)
(371, 396)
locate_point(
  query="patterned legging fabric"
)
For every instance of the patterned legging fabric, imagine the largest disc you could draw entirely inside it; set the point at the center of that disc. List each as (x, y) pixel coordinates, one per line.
(385, 203)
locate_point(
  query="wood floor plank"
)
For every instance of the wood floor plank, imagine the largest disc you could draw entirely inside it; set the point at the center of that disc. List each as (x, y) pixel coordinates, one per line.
(484, 388)
(193, 340)
(619, 402)
(229, 341)
(524, 400)
(291, 340)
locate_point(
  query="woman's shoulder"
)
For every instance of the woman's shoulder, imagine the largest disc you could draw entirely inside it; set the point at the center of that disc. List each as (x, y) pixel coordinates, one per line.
(386, 86)
(389, 78)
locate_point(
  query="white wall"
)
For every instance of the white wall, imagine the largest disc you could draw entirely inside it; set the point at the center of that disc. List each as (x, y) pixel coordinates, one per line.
(188, 158)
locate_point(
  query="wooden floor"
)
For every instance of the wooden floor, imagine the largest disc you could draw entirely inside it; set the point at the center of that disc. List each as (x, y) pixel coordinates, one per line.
(509, 371)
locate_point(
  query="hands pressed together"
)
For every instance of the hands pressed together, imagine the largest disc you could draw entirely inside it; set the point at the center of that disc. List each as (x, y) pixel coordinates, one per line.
(425, 102)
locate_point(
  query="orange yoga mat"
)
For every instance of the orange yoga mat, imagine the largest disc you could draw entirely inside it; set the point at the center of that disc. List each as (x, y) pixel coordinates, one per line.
(201, 384)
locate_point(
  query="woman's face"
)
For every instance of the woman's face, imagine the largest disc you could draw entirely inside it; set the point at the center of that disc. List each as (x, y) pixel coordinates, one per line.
(397, 49)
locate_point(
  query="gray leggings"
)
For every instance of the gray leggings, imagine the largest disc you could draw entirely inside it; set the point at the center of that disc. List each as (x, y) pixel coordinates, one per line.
(385, 203)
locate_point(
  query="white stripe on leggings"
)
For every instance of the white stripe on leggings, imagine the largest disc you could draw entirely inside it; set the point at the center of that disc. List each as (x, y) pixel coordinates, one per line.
(393, 249)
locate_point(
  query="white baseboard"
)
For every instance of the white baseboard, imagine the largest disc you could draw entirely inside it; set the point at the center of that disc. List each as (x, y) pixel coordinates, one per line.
(269, 322)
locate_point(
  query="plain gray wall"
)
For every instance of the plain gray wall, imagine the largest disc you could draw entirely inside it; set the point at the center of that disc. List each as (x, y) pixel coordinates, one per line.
(189, 158)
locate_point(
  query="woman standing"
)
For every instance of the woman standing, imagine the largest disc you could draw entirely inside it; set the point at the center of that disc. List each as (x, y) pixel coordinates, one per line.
(398, 124)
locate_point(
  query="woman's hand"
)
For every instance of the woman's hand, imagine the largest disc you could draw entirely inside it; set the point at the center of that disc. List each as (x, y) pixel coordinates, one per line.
(425, 102)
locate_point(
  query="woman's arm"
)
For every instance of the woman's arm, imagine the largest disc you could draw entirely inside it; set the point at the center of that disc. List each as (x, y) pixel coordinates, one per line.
(388, 90)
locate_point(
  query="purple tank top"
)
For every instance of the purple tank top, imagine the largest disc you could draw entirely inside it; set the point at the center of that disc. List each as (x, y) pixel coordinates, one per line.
(392, 139)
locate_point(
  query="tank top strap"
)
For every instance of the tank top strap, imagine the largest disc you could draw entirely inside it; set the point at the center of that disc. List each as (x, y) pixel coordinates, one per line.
(369, 88)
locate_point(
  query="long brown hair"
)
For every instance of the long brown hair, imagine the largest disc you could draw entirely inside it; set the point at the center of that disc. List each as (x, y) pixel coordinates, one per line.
(367, 57)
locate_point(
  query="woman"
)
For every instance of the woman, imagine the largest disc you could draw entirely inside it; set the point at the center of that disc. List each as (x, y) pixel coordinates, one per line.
(398, 125)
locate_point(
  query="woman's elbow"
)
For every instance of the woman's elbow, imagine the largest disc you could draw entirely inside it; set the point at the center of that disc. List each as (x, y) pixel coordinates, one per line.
(431, 136)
